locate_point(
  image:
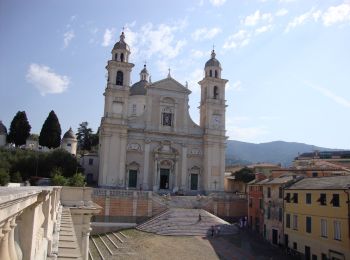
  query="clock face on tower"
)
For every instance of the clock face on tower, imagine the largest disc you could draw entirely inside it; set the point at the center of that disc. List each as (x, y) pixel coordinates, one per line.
(216, 120)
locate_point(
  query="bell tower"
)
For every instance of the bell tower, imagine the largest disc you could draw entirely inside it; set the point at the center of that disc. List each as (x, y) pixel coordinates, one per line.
(113, 130)
(212, 120)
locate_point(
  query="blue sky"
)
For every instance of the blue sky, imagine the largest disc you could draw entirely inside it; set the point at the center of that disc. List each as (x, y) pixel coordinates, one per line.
(287, 61)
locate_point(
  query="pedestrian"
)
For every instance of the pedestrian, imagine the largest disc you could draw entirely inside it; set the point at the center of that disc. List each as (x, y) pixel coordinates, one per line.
(199, 217)
(212, 231)
(218, 230)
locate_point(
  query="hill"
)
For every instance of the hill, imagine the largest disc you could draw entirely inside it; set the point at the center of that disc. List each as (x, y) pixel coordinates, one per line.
(273, 152)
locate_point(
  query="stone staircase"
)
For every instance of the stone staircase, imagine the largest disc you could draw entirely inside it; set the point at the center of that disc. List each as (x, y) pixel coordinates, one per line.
(185, 222)
(111, 245)
(68, 247)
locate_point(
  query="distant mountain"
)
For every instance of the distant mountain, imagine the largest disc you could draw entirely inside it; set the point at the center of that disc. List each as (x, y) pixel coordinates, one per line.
(273, 152)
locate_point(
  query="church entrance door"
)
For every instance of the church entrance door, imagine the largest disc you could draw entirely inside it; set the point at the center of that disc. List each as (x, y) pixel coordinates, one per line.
(164, 179)
(132, 178)
(194, 181)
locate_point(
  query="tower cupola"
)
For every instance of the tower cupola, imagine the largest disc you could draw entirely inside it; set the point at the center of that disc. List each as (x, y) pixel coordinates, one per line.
(121, 50)
(144, 73)
(213, 67)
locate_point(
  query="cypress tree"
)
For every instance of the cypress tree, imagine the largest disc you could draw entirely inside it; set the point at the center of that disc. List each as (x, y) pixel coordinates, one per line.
(50, 134)
(19, 129)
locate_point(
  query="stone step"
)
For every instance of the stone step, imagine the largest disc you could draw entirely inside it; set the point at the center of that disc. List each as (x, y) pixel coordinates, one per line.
(180, 221)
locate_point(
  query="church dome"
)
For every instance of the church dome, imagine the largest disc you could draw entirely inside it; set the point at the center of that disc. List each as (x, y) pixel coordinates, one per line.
(213, 62)
(121, 45)
(3, 129)
(69, 134)
(139, 88)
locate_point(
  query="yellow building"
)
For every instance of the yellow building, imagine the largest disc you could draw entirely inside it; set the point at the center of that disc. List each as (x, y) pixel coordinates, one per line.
(317, 217)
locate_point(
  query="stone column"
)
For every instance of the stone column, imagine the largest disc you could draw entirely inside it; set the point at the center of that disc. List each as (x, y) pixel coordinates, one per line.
(12, 247)
(155, 175)
(4, 241)
(184, 186)
(176, 174)
(85, 238)
(146, 166)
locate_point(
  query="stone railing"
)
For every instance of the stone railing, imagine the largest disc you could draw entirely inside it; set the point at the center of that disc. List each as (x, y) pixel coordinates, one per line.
(28, 217)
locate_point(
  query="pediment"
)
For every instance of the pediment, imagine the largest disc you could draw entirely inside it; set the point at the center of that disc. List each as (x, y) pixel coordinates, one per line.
(170, 84)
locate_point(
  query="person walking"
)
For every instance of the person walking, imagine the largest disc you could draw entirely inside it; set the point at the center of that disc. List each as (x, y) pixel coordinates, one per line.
(212, 231)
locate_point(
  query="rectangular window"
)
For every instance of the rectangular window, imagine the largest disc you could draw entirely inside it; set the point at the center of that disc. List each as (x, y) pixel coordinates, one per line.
(133, 109)
(308, 224)
(323, 228)
(287, 198)
(314, 174)
(323, 199)
(167, 119)
(91, 161)
(280, 214)
(261, 205)
(314, 257)
(268, 212)
(335, 200)
(307, 253)
(69, 144)
(287, 220)
(324, 256)
(295, 197)
(295, 222)
(295, 246)
(308, 198)
(250, 203)
(280, 192)
(269, 192)
(337, 230)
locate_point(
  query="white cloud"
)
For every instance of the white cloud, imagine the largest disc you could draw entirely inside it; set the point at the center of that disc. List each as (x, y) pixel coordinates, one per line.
(263, 29)
(301, 19)
(328, 93)
(160, 40)
(194, 78)
(67, 37)
(108, 37)
(282, 12)
(336, 14)
(236, 85)
(237, 40)
(46, 80)
(217, 2)
(257, 17)
(199, 54)
(253, 19)
(205, 33)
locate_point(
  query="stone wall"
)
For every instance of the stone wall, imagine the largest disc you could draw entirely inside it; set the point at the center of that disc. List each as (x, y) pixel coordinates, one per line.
(137, 206)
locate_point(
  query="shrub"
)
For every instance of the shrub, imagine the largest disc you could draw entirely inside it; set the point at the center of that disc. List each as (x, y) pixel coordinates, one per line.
(77, 180)
(59, 180)
(16, 177)
(4, 177)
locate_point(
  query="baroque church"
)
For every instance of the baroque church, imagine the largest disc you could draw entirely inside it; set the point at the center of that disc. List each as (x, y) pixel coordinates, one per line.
(148, 140)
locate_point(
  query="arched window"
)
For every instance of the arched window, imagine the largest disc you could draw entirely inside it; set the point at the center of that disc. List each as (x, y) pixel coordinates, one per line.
(116, 56)
(216, 92)
(119, 78)
(122, 57)
(216, 73)
(210, 73)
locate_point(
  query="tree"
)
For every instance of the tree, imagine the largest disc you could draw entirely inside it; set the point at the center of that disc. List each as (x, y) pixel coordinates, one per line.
(50, 134)
(19, 129)
(245, 175)
(4, 177)
(57, 178)
(84, 137)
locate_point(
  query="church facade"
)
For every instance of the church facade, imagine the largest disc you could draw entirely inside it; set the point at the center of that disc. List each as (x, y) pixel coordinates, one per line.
(148, 140)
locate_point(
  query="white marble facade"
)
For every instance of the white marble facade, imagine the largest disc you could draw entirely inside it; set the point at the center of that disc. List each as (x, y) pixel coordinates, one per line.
(148, 140)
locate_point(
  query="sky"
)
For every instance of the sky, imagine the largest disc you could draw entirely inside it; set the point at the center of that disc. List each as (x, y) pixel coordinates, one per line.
(287, 61)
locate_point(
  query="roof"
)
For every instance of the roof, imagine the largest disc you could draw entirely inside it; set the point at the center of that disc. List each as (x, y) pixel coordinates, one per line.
(122, 44)
(324, 183)
(69, 134)
(139, 88)
(3, 129)
(324, 155)
(281, 180)
(213, 62)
